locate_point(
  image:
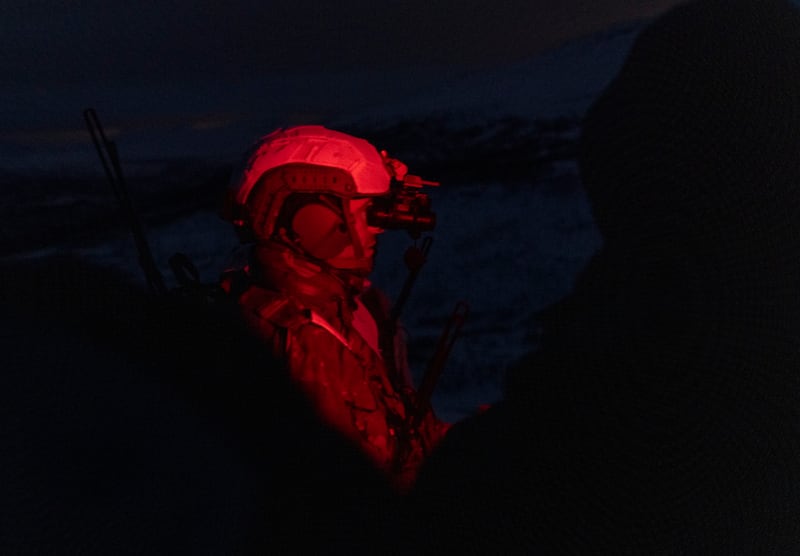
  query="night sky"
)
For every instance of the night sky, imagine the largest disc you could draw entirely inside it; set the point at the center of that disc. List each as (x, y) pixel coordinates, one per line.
(50, 42)
(161, 65)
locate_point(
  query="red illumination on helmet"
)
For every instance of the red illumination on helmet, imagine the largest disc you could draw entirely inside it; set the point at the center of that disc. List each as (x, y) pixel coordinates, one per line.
(307, 160)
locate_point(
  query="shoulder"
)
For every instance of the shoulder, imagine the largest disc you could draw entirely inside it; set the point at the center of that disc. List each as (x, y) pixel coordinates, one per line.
(273, 307)
(269, 309)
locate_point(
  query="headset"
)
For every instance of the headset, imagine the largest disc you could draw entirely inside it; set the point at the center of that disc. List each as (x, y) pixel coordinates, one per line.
(319, 229)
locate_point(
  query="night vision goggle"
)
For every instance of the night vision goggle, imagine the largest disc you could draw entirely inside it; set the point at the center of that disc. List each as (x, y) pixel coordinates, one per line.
(406, 207)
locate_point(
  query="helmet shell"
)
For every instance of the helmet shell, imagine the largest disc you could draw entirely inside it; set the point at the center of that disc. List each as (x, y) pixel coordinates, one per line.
(301, 159)
(318, 146)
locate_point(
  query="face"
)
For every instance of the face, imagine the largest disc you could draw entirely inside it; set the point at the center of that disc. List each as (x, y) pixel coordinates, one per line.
(367, 234)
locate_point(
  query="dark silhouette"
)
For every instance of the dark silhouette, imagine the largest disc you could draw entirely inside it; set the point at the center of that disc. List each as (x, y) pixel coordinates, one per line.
(661, 414)
(141, 425)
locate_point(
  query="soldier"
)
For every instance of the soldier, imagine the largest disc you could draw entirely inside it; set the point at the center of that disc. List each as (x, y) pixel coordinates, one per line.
(302, 206)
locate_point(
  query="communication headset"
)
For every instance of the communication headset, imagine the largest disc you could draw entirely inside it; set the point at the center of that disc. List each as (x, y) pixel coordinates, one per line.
(320, 230)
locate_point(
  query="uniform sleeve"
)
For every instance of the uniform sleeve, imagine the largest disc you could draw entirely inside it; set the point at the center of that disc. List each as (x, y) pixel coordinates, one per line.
(313, 364)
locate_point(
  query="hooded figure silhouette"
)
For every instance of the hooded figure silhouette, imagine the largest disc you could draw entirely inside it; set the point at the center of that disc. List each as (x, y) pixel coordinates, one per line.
(661, 414)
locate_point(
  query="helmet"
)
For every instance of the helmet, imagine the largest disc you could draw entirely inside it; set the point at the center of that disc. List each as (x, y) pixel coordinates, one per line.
(312, 171)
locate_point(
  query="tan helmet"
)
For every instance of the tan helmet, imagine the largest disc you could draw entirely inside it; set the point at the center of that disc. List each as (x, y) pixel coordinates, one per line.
(298, 162)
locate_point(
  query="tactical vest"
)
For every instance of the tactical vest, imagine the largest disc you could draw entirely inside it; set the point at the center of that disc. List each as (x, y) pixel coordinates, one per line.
(343, 375)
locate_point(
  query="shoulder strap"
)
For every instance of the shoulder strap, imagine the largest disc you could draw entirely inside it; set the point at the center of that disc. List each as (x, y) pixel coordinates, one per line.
(285, 313)
(317, 319)
(277, 308)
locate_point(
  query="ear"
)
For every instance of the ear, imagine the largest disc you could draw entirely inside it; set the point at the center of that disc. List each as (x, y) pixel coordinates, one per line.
(320, 231)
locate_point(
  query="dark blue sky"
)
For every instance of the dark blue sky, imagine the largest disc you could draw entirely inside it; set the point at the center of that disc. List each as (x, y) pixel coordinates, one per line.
(176, 76)
(48, 42)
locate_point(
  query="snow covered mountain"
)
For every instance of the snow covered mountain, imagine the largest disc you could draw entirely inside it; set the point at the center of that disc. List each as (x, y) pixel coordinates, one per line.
(510, 124)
